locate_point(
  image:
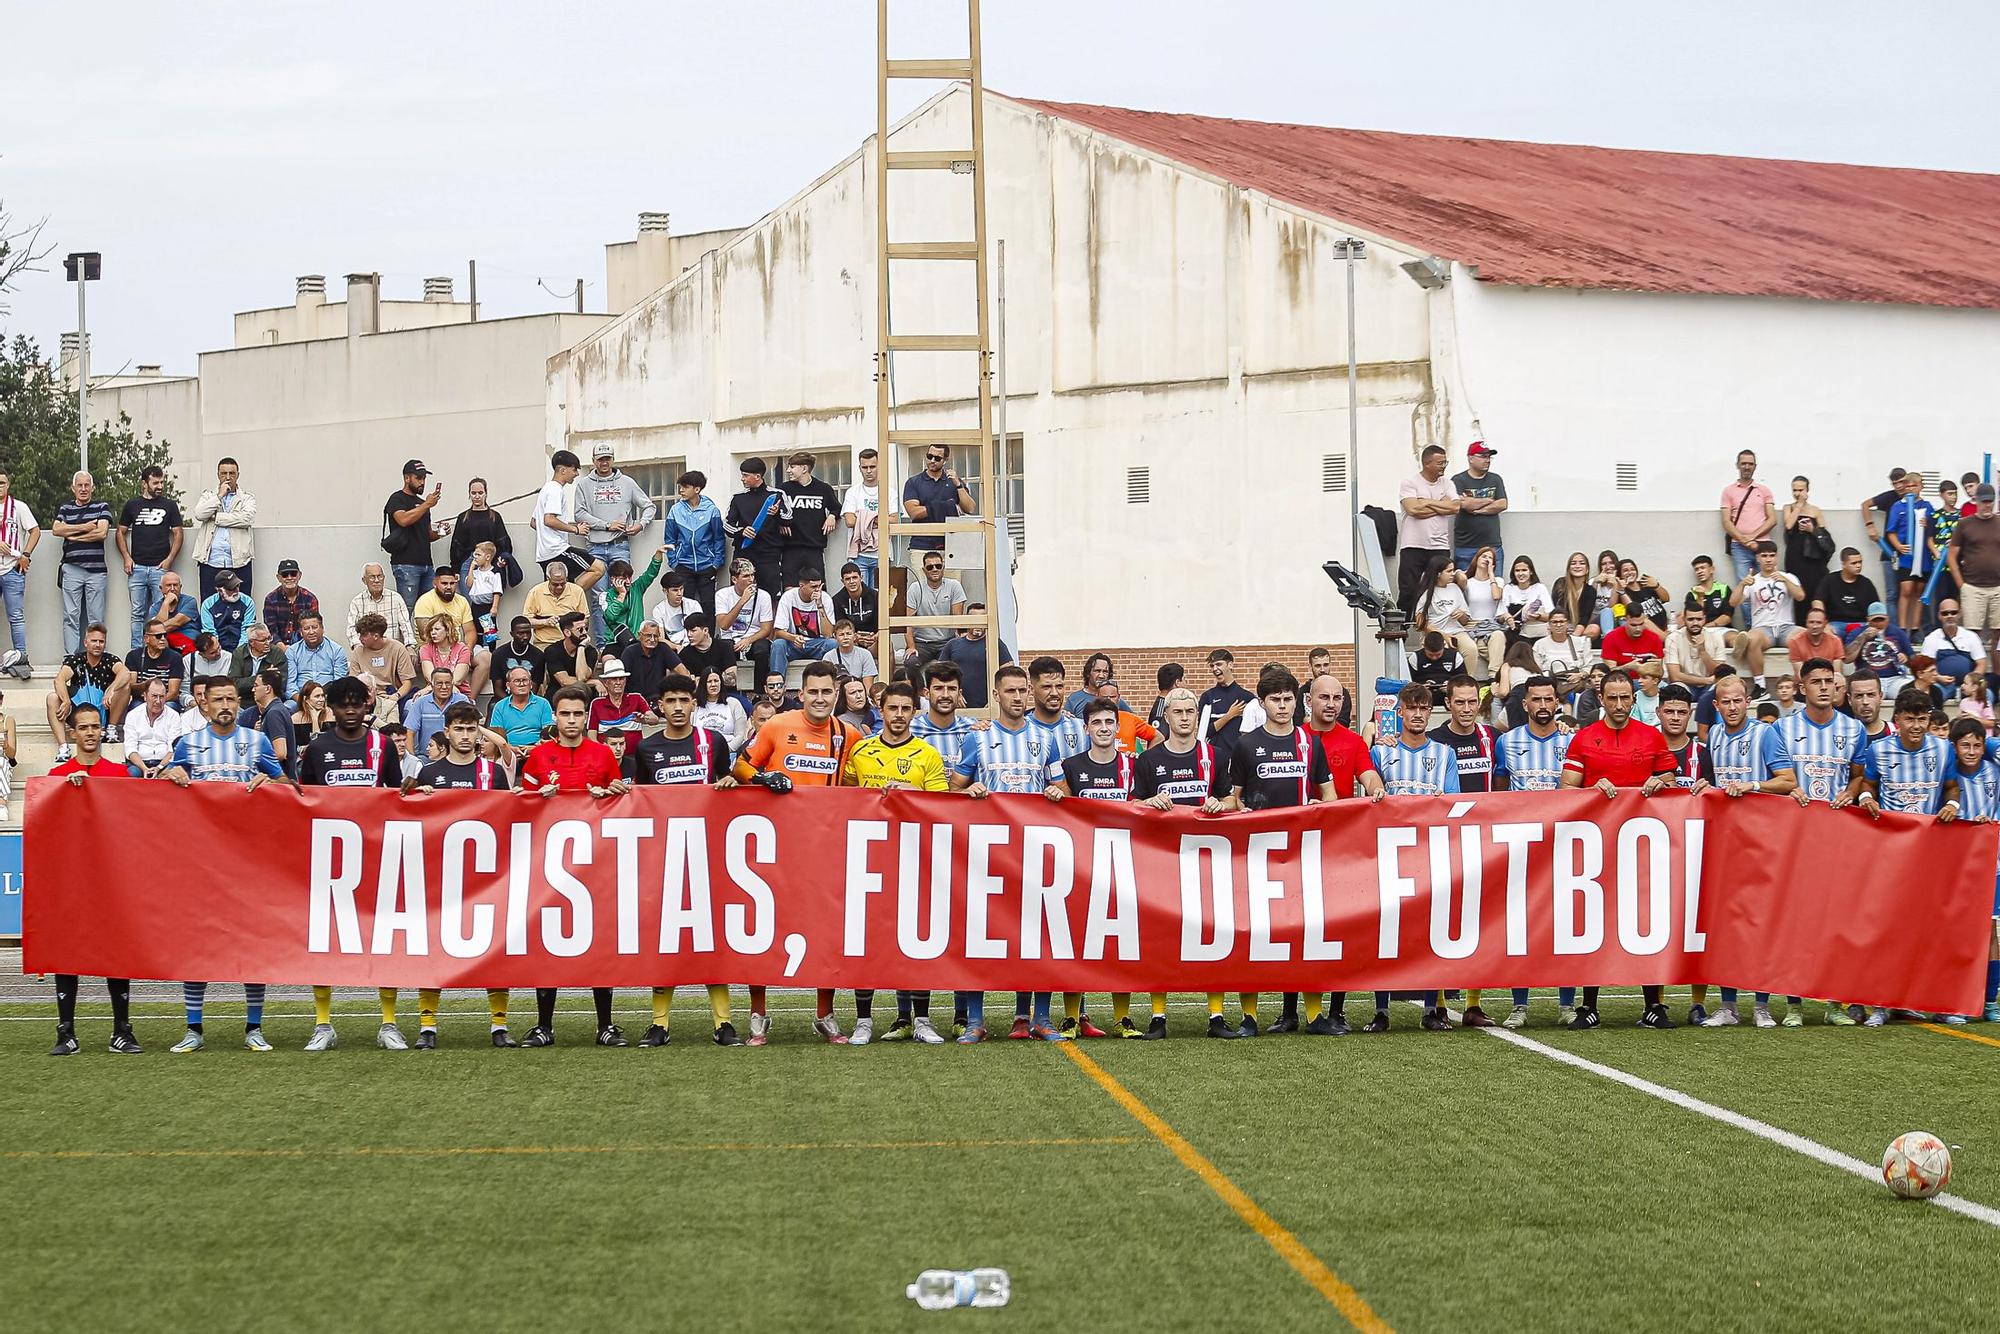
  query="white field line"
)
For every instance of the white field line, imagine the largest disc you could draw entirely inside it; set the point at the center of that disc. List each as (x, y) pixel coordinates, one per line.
(1798, 1144)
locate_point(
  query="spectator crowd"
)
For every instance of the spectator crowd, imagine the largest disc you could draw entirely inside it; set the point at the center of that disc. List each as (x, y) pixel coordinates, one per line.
(1784, 671)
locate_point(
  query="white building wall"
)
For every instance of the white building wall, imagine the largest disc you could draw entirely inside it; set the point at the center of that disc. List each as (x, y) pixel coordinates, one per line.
(1155, 318)
(1568, 384)
(321, 429)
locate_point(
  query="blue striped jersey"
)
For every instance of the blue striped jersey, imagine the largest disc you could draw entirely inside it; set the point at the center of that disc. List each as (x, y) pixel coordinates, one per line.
(236, 758)
(1004, 761)
(1063, 738)
(1533, 763)
(1978, 791)
(1824, 755)
(1751, 755)
(950, 742)
(1428, 770)
(1910, 780)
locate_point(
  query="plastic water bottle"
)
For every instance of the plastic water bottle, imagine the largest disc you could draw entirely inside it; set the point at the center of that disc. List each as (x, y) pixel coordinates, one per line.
(943, 1289)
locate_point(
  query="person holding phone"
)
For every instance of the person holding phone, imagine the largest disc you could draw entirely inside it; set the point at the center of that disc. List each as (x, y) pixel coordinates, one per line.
(408, 531)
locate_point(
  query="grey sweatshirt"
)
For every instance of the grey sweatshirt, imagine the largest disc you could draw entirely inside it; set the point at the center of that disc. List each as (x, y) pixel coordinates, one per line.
(601, 501)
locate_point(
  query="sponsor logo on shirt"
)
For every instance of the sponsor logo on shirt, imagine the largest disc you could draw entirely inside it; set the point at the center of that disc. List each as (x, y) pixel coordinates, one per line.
(812, 764)
(686, 771)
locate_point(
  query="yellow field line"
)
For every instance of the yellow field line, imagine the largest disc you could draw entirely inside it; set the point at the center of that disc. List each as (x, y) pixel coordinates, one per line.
(1951, 1032)
(539, 1150)
(1293, 1251)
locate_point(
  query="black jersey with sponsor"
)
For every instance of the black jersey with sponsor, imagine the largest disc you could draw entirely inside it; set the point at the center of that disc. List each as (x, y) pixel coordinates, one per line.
(1185, 778)
(702, 756)
(1691, 763)
(1109, 781)
(482, 775)
(1478, 764)
(371, 760)
(1276, 771)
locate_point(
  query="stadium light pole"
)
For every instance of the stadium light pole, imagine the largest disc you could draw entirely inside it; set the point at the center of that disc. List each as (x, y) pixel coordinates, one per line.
(1353, 249)
(83, 267)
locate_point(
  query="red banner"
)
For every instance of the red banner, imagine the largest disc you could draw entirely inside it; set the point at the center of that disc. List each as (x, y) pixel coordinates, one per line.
(856, 888)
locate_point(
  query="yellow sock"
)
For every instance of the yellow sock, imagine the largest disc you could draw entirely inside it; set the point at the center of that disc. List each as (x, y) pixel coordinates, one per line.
(1472, 996)
(1072, 1004)
(1249, 999)
(1214, 1003)
(1701, 993)
(1159, 1003)
(1121, 1005)
(387, 995)
(663, 1006)
(496, 1006)
(1315, 1003)
(718, 1003)
(322, 1005)
(427, 1007)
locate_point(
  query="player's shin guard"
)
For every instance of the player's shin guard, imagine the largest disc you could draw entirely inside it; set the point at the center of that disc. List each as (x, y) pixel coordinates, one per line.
(1214, 1004)
(1159, 1004)
(1315, 1005)
(757, 1001)
(496, 1007)
(718, 1004)
(427, 1007)
(823, 1002)
(663, 1007)
(322, 1005)
(1249, 1003)
(387, 997)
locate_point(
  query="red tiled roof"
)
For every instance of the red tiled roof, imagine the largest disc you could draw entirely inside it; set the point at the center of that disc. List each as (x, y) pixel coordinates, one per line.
(1565, 215)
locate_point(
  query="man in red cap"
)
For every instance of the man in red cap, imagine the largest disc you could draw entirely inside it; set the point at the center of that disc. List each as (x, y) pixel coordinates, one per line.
(1482, 495)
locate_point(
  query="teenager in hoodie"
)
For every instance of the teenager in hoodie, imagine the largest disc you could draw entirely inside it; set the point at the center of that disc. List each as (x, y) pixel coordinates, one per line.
(694, 538)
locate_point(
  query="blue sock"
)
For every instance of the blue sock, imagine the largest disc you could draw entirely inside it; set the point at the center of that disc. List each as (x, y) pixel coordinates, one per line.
(1566, 997)
(1433, 1000)
(1992, 981)
(1020, 1005)
(1042, 1006)
(1520, 995)
(973, 1003)
(905, 1005)
(1381, 1002)
(253, 1004)
(1764, 999)
(192, 994)
(1729, 996)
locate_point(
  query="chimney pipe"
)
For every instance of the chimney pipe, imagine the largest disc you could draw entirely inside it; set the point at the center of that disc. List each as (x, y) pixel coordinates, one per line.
(437, 289)
(364, 310)
(312, 284)
(147, 368)
(652, 222)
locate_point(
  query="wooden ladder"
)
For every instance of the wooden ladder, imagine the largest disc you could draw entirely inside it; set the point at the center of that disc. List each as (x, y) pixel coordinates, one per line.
(889, 440)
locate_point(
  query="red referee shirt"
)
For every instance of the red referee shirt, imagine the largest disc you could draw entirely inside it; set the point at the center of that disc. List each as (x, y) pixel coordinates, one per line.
(1628, 755)
(591, 764)
(1347, 757)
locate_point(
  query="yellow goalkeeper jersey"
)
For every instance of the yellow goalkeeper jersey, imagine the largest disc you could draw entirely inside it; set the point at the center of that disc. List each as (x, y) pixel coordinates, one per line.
(875, 763)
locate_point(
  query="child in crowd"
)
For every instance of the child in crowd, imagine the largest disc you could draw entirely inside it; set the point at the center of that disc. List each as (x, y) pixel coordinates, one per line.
(483, 586)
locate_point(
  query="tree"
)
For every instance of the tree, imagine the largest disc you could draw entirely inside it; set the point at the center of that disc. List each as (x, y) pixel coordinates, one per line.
(18, 251)
(38, 437)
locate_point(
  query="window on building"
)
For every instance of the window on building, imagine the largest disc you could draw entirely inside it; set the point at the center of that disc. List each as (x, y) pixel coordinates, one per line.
(965, 462)
(658, 478)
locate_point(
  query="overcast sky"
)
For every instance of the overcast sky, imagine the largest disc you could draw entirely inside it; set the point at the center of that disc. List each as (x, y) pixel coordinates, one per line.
(214, 151)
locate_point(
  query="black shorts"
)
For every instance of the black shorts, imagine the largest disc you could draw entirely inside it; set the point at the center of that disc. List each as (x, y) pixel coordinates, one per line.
(577, 562)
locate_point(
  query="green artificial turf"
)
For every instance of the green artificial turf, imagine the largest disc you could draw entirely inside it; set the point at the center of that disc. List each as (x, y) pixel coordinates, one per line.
(1456, 1182)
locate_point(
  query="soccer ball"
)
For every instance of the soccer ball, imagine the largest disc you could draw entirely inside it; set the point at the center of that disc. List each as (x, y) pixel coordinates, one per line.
(1916, 1165)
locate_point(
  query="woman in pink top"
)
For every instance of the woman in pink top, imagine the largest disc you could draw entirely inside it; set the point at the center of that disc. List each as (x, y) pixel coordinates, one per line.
(442, 648)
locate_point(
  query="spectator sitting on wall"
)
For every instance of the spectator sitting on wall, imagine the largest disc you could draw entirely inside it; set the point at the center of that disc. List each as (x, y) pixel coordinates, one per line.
(288, 604)
(88, 676)
(966, 650)
(256, 653)
(444, 599)
(177, 611)
(377, 598)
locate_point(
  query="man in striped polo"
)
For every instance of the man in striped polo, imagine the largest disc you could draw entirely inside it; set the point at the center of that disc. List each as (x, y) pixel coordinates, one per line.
(1748, 757)
(1414, 765)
